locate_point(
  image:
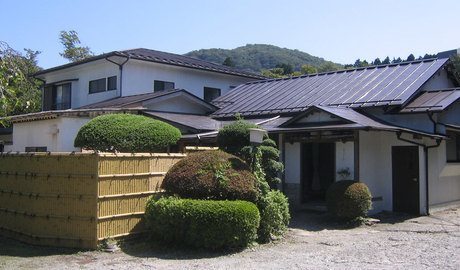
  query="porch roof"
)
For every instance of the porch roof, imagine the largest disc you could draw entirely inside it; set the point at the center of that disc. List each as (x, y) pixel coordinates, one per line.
(433, 101)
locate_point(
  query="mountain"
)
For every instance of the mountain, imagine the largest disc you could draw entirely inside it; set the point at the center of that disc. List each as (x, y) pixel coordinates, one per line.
(257, 57)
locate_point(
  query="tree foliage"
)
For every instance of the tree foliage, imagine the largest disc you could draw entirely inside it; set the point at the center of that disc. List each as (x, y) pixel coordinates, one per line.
(19, 91)
(72, 49)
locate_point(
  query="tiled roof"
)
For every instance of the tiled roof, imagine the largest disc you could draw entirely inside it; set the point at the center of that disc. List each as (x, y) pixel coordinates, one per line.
(129, 101)
(197, 122)
(163, 58)
(392, 84)
(433, 101)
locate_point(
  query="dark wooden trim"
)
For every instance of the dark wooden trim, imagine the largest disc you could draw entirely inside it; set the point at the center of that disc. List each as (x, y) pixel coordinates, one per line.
(356, 155)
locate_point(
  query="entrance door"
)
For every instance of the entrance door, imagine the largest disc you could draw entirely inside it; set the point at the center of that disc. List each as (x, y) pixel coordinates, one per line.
(318, 170)
(406, 190)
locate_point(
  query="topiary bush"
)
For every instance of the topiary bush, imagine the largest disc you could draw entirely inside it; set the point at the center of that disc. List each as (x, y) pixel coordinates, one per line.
(211, 175)
(233, 137)
(202, 223)
(126, 133)
(348, 199)
(274, 215)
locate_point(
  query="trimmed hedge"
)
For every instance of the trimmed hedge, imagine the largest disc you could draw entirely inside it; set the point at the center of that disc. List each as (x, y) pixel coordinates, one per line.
(126, 133)
(274, 215)
(211, 175)
(348, 199)
(233, 137)
(202, 223)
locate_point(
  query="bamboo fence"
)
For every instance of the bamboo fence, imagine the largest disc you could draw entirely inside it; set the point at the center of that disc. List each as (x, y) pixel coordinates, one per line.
(77, 199)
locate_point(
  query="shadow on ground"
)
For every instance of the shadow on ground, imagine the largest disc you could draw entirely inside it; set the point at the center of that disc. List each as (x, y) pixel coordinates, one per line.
(14, 248)
(318, 221)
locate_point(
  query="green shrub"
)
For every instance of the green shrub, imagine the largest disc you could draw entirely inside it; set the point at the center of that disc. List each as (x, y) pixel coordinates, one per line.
(274, 215)
(211, 175)
(348, 199)
(202, 223)
(233, 137)
(126, 133)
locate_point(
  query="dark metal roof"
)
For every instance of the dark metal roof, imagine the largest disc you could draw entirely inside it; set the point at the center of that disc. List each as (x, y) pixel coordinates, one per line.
(197, 122)
(163, 58)
(134, 101)
(433, 101)
(382, 85)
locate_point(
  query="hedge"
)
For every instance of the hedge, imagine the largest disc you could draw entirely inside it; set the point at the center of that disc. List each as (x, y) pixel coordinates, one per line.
(202, 223)
(211, 175)
(348, 199)
(126, 133)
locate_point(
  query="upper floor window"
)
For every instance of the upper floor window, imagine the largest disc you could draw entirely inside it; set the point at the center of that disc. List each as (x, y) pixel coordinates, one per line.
(453, 147)
(57, 97)
(211, 93)
(102, 85)
(162, 85)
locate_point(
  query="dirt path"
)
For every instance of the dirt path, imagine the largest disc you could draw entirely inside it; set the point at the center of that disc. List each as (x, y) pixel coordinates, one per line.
(313, 242)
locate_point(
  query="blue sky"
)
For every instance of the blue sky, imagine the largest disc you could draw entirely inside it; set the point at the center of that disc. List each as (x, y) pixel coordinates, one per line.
(341, 31)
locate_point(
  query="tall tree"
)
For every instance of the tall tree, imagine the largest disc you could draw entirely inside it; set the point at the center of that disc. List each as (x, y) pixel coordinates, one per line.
(411, 57)
(386, 61)
(308, 69)
(377, 61)
(72, 49)
(287, 68)
(228, 62)
(19, 92)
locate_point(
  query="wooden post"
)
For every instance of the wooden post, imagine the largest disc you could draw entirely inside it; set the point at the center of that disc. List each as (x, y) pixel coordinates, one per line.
(356, 155)
(281, 147)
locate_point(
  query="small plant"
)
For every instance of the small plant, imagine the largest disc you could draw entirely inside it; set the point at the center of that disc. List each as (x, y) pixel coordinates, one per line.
(348, 199)
(274, 215)
(202, 223)
(344, 173)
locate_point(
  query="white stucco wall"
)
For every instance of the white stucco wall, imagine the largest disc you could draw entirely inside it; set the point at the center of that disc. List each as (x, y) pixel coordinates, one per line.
(38, 134)
(84, 73)
(292, 163)
(444, 177)
(139, 77)
(344, 159)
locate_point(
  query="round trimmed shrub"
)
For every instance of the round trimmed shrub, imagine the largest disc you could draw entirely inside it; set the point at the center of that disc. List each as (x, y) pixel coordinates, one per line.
(233, 137)
(211, 175)
(274, 215)
(126, 133)
(348, 199)
(202, 223)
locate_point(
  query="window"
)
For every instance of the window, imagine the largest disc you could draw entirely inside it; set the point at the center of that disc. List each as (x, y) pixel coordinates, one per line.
(97, 86)
(453, 147)
(211, 93)
(162, 85)
(112, 83)
(36, 149)
(57, 97)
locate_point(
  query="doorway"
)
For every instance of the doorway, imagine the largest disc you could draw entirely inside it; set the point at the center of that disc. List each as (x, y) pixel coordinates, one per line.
(406, 188)
(317, 170)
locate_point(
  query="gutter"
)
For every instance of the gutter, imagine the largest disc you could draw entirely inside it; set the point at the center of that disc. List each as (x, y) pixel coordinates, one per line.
(120, 66)
(425, 151)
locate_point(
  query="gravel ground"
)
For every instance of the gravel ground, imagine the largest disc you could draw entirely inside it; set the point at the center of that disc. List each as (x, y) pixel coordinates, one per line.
(313, 242)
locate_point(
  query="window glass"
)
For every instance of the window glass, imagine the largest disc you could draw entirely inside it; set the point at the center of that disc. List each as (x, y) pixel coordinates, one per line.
(211, 93)
(35, 149)
(61, 97)
(112, 83)
(97, 86)
(162, 85)
(453, 147)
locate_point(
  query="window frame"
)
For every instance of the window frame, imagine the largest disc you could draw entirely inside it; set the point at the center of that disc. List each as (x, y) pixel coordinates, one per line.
(108, 84)
(211, 89)
(104, 80)
(164, 83)
(55, 104)
(454, 137)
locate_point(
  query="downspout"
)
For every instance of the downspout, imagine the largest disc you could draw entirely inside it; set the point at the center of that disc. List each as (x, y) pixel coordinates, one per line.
(425, 151)
(120, 66)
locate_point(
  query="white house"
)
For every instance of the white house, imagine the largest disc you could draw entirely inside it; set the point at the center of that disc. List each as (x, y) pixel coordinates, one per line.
(394, 127)
(70, 88)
